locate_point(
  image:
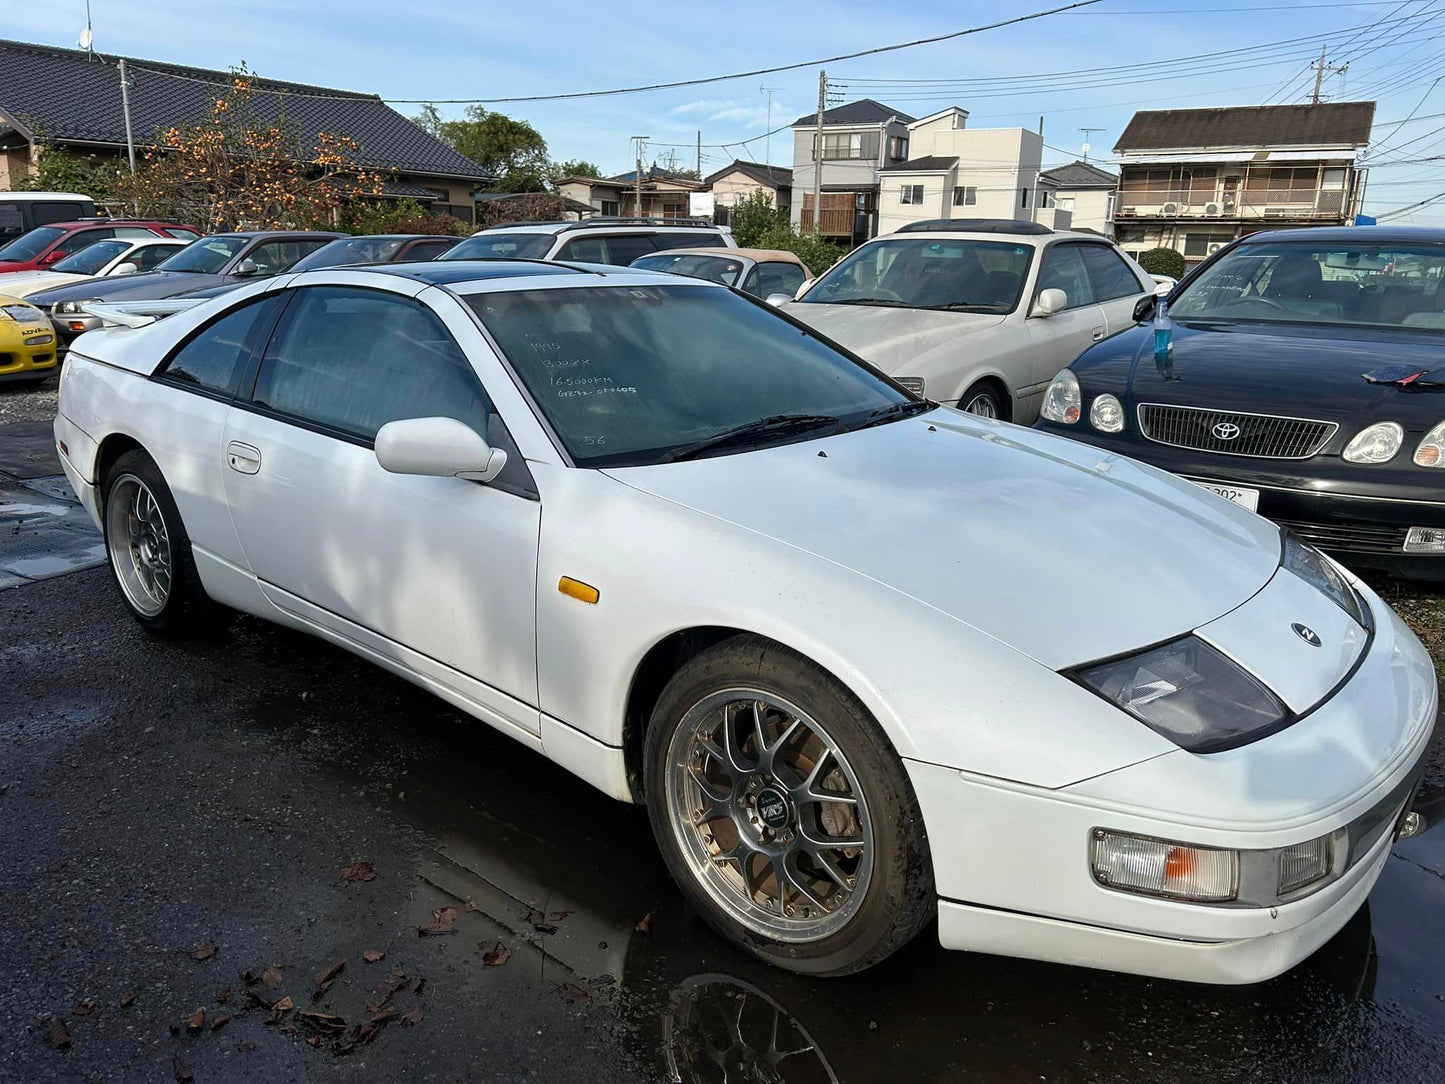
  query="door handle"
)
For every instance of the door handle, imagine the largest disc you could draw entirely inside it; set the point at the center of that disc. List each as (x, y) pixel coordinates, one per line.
(1098, 334)
(243, 457)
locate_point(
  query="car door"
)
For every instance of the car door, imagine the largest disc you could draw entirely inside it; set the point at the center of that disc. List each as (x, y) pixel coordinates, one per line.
(619, 249)
(775, 277)
(434, 575)
(1116, 288)
(1059, 338)
(146, 257)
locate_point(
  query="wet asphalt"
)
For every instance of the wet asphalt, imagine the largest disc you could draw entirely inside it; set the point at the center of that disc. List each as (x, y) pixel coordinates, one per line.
(158, 798)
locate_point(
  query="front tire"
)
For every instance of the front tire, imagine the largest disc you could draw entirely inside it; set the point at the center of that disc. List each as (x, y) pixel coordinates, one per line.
(148, 550)
(982, 400)
(784, 813)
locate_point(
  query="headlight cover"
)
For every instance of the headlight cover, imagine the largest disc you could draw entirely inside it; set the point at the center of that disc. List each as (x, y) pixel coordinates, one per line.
(1062, 403)
(63, 307)
(1431, 450)
(1190, 693)
(1376, 443)
(23, 314)
(1106, 414)
(1312, 566)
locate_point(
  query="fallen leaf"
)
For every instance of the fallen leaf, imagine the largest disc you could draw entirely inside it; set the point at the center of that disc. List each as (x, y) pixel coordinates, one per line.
(197, 1020)
(256, 999)
(417, 987)
(442, 920)
(55, 1033)
(542, 927)
(324, 1022)
(281, 1008)
(272, 976)
(320, 991)
(84, 1007)
(224, 996)
(221, 1021)
(571, 992)
(499, 955)
(434, 929)
(645, 926)
(245, 1046)
(384, 1015)
(372, 955)
(127, 999)
(331, 972)
(314, 1040)
(413, 1017)
(358, 871)
(205, 952)
(249, 977)
(558, 916)
(182, 1070)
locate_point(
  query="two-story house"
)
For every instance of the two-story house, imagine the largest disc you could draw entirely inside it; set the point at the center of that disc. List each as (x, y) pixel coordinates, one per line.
(953, 171)
(1195, 179)
(664, 194)
(1086, 192)
(859, 139)
(738, 180)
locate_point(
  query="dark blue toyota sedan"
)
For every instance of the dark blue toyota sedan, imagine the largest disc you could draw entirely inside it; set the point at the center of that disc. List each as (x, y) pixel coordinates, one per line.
(1300, 373)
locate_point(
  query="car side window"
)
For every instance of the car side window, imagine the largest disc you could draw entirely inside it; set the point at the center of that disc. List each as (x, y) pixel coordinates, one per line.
(623, 248)
(273, 257)
(584, 250)
(353, 359)
(777, 277)
(83, 239)
(133, 233)
(687, 240)
(147, 256)
(47, 211)
(214, 357)
(1063, 269)
(427, 250)
(750, 284)
(1109, 274)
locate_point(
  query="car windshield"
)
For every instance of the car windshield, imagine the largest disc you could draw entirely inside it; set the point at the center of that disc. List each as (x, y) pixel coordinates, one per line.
(351, 250)
(927, 273)
(713, 268)
(89, 261)
(629, 375)
(29, 245)
(1339, 283)
(501, 246)
(206, 256)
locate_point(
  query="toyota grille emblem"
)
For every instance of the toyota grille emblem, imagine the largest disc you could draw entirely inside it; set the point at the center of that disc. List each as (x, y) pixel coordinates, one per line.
(1226, 430)
(1307, 634)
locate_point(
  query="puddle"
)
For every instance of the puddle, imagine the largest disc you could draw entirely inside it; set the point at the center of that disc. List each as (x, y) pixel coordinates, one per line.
(40, 537)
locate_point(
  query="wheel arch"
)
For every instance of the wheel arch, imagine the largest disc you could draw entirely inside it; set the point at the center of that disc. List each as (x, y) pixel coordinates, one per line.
(112, 448)
(997, 383)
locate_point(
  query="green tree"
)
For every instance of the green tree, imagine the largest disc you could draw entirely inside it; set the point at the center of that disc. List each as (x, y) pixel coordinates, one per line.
(1164, 261)
(429, 120)
(399, 216)
(61, 171)
(753, 216)
(575, 167)
(817, 255)
(510, 150)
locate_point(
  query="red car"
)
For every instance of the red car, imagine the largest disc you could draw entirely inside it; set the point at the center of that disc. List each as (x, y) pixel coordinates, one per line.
(44, 245)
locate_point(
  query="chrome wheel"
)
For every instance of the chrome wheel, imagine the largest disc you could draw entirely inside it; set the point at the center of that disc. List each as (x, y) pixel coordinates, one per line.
(983, 405)
(769, 815)
(139, 545)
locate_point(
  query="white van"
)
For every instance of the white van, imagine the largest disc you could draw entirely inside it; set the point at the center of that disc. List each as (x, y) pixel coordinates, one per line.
(21, 212)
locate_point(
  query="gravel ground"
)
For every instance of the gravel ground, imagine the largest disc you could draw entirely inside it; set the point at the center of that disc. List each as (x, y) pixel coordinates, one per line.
(29, 402)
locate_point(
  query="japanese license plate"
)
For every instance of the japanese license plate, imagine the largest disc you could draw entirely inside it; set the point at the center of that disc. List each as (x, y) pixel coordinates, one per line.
(1248, 498)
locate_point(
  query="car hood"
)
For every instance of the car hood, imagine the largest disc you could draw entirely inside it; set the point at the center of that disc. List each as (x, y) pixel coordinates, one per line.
(1303, 372)
(1059, 550)
(895, 340)
(25, 283)
(142, 287)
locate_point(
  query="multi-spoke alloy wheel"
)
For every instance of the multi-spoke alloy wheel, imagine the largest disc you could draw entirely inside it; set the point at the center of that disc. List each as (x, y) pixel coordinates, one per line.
(769, 814)
(983, 405)
(139, 544)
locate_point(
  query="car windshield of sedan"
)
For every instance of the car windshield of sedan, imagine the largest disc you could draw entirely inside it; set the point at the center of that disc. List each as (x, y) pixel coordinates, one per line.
(29, 245)
(1335, 283)
(629, 376)
(713, 268)
(90, 260)
(924, 273)
(206, 256)
(500, 246)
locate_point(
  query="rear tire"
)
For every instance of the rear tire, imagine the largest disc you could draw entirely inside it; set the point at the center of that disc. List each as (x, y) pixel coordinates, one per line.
(148, 550)
(783, 812)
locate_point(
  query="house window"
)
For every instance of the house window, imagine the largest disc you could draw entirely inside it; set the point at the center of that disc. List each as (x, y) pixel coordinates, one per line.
(898, 148)
(1197, 244)
(609, 208)
(843, 145)
(965, 196)
(1066, 203)
(1046, 197)
(1023, 197)
(911, 193)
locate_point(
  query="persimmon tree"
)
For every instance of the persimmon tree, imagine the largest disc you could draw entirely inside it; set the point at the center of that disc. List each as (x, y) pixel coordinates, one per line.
(237, 170)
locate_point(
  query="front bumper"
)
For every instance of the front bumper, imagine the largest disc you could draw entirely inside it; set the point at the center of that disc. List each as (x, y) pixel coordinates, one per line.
(23, 356)
(1011, 861)
(1360, 512)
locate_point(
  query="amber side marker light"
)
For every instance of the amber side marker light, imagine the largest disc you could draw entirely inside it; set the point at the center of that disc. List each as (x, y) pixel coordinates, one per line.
(582, 592)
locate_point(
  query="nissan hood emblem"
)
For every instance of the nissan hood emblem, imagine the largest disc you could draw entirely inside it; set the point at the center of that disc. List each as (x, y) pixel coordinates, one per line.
(1226, 430)
(1307, 634)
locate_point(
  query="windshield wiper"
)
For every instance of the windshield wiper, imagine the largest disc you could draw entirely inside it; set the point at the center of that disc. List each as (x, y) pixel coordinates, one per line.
(741, 434)
(871, 301)
(894, 411)
(963, 306)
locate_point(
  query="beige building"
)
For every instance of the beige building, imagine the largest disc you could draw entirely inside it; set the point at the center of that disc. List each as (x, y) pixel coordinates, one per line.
(736, 182)
(1087, 193)
(1195, 179)
(664, 194)
(953, 171)
(859, 139)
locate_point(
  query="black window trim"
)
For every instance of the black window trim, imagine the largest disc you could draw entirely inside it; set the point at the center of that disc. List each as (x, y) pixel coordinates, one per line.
(1070, 243)
(1118, 255)
(257, 337)
(245, 400)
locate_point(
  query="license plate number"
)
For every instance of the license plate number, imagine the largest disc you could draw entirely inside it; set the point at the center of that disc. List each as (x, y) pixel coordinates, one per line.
(1247, 498)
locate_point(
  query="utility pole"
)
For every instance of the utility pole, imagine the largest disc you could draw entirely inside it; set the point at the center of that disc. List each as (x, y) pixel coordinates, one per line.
(125, 108)
(637, 178)
(699, 154)
(1321, 68)
(818, 153)
(768, 139)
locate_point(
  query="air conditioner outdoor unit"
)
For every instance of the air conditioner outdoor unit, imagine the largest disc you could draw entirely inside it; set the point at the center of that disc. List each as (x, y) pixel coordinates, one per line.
(1211, 210)
(1169, 209)
(1215, 246)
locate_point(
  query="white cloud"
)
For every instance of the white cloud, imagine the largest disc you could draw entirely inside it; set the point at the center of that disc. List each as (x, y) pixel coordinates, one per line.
(701, 106)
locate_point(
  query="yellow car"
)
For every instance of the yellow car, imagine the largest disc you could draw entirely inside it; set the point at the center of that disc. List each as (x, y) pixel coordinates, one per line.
(27, 341)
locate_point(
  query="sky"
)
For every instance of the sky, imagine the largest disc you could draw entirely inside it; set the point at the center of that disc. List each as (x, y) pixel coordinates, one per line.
(1009, 77)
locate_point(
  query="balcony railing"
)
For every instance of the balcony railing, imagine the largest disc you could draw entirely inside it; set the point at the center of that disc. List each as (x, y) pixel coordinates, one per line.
(1289, 206)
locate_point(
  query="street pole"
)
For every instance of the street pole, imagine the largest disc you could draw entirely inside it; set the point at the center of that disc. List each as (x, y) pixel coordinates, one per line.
(699, 154)
(1319, 76)
(637, 178)
(818, 154)
(125, 108)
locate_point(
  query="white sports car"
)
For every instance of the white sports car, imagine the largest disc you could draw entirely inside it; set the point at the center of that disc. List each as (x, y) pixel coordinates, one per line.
(867, 661)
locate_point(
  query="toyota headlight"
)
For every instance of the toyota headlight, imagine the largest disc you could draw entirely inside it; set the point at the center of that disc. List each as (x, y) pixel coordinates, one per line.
(1312, 566)
(65, 307)
(1190, 693)
(1106, 414)
(1376, 443)
(23, 314)
(1430, 452)
(1062, 403)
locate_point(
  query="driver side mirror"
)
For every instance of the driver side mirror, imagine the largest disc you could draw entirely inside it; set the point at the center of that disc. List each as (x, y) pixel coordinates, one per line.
(53, 256)
(1050, 301)
(778, 300)
(246, 267)
(437, 448)
(126, 268)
